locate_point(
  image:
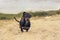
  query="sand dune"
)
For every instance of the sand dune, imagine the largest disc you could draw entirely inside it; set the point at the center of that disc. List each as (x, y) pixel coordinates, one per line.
(43, 28)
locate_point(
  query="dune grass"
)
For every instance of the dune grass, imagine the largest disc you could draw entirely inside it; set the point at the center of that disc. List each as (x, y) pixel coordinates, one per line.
(34, 14)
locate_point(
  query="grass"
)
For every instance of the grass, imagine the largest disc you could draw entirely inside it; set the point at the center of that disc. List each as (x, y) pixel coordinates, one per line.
(34, 14)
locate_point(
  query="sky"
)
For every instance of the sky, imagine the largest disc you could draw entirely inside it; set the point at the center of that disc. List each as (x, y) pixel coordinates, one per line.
(15, 6)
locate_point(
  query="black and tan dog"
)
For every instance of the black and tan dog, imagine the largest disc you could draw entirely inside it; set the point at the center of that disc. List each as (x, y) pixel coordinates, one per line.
(24, 24)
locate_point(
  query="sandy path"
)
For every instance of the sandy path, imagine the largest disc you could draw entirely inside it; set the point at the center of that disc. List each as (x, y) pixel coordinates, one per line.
(47, 28)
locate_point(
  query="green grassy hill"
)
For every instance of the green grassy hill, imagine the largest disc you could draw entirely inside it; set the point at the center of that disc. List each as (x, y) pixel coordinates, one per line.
(40, 14)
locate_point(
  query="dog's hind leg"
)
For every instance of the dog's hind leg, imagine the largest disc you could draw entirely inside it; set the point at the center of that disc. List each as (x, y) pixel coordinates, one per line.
(22, 29)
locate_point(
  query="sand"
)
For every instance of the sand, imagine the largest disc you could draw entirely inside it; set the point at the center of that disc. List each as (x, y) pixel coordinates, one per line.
(42, 28)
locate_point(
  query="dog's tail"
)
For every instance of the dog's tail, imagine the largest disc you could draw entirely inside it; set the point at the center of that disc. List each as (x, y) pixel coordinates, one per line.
(16, 19)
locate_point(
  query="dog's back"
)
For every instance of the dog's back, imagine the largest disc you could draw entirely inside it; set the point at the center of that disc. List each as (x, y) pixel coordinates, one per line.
(22, 22)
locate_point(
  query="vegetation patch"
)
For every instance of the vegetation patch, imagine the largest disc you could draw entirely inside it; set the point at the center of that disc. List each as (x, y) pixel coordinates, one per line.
(34, 14)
